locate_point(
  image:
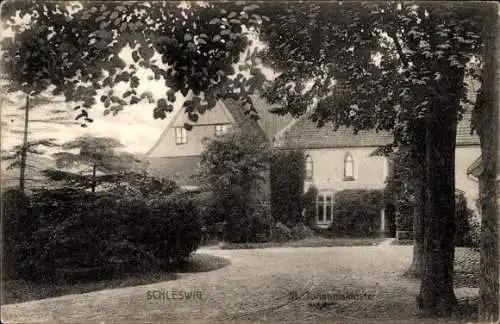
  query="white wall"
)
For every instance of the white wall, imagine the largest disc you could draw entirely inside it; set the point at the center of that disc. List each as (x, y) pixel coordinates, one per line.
(328, 169)
(465, 156)
(370, 171)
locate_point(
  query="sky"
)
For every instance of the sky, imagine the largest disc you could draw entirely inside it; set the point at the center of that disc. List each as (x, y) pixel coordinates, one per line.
(135, 126)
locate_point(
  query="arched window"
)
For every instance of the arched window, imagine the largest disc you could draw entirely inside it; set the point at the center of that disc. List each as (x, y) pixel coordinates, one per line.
(309, 168)
(348, 167)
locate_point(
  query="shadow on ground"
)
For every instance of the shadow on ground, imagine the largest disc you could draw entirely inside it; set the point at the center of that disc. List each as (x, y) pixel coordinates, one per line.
(19, 290)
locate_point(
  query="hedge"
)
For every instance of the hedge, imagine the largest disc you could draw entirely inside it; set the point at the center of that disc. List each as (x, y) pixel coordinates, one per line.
(309, 202)
(467, 229)
(82, 235)
(287, 186)
(17, 226)
(357, 212)
(234, 216)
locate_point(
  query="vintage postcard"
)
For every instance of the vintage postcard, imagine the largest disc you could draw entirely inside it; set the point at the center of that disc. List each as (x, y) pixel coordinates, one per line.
(237, 162)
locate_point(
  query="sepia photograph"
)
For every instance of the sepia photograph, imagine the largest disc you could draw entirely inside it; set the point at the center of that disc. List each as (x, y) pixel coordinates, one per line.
(249, 161)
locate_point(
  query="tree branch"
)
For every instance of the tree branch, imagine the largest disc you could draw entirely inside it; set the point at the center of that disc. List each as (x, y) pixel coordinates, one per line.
(394, 36)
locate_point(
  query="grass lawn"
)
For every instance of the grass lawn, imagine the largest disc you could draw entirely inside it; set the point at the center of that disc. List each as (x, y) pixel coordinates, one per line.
(19, 290)
(316, 241)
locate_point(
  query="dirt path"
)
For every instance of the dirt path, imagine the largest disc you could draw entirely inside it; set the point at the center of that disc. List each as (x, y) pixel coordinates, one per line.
(335, 284)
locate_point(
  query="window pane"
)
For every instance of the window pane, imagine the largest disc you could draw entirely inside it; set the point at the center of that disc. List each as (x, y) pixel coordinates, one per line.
(348, 166)
(220, 130)
(309, 167)
(321, 208)
(180, 135)
(328, 209)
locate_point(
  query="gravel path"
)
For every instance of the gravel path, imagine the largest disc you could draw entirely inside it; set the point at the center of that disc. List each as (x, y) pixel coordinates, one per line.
(334, 284)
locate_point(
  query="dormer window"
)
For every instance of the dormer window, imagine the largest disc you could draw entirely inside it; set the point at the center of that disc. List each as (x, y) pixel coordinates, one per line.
(220, 130)
(348, 168)
(309, 168)
(180, 135)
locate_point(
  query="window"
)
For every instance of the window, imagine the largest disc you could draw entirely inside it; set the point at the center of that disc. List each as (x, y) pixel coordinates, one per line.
(324, 208)
(321, 207)
(387, 168)
(220, 130)
(309, 168)
(180, 135)
(348, 168)
(328, 208)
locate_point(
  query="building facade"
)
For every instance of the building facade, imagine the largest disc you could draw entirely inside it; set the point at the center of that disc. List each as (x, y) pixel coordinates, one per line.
(176, 154)
(337, 160)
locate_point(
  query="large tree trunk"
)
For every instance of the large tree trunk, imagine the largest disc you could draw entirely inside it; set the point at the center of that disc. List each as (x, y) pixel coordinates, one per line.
(486, 113)
(419, 181)
(22, 167)
(436, 291)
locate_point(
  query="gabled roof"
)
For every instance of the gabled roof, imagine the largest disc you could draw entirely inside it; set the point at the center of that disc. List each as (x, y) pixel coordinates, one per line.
(247, 125)
(476, 168)
(178, 121)
(304, 134)
(270, 122)
(262, 129)
(464, 136)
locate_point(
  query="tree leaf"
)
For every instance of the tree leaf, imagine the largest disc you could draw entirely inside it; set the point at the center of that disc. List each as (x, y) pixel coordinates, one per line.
(188, 127)
(193, 117)
(134, 100)
(135, 56)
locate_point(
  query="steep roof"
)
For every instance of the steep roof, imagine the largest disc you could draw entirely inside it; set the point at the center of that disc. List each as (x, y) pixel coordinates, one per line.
(245, 122)
(233, 112)
(476, 168)
(270, 122)
(464, 136)
(304, 134)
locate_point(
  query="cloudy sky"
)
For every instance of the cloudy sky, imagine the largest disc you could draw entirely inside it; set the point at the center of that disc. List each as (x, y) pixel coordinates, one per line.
(135, 126)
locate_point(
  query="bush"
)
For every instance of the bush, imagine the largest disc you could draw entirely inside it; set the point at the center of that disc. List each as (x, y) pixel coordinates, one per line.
(210, 216)
(232, 169)
(174, 231)
(357, 212)
(83, 235)
(300, 231)
(309, 204)
(474, 234)
(262, 223)
(281, 233)
(142, 186)
(404, 217)
(287, 186)
(16, 230)
(466, 223)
